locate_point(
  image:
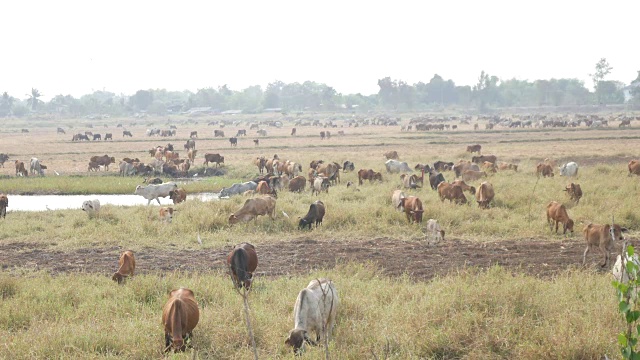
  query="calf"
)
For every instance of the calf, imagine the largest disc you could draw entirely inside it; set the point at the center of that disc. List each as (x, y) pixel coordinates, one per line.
(315, 310)
(20, 169)
(485, 195)
(4, 204)
(166, 214)
(412, 208)
(314, 215)
(91, 207)
(180, 315)
(126, 267)
(634, 167)
(602, 237)
(178, 195)
(242, 262)
(574, 191)
(474, 148)
(297, 184)
(396, 198)
(434, 230)
(320, 184)
(233, 141)
(506, 166)
(544, 170)
(557, 213)
(452, 193)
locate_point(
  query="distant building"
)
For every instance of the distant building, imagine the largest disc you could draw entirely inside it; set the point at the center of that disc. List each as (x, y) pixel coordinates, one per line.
(200, 111)
(273, 110)
(231, 112)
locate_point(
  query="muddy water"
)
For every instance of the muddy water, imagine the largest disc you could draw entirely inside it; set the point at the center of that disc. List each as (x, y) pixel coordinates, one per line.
(57, 202)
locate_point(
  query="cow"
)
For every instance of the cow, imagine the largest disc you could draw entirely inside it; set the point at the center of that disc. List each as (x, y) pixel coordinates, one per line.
(91, 207)
(451, 192)
(506, 166)
(20, 170)
(396, 200)
(391, 155)
(260, 163)
(443, 166)
(569, 169)
(35, 167)
(320, 183)
(104, 160)
(544, 170)
(315, 163)
(241, 133)
(557, 213)
(474, 148)
(471, 175)
(262, 132)
(252, 208)
(127, 169)
(293, 132)
(368, 175)
(292, 169)
(348, 166)
(177, 196)
(395, 166)
(485, 195)
(463, 166)
(634, 167)
(314, 215)
(482, 158)
(464, 186)
(435, 179)
(238, 188)
(190, 144)
(233, 141)
(60, 131)
(191, 155)
(126, 267)
(193, 135)
(151, 192)
(434, 230)
(330, 170)
(93, 166)
(4, 204)
(412, 208)
(214, 158)
(315, 310)
(489, 167)
(97, 137)
(409, 181)
(242, 262)
(153, 181)
(574, 191)
(297, 184)
(218, 133)
(166, 214)
(180, 315)
(3, 158)
(126, 133)
(322, 135)
(602, 237)
(263, 188)
(108, 136)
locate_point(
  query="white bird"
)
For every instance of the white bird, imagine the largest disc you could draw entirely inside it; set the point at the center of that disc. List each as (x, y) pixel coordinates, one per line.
(196, 174)
(47, 207)
(285, 214)
(199, 240)
(57, 173)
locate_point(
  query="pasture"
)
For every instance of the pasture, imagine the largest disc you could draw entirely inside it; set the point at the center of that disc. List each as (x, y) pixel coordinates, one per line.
(500, 285)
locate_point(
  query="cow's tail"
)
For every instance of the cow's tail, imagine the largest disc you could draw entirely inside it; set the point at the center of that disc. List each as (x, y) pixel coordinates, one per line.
(239, 265)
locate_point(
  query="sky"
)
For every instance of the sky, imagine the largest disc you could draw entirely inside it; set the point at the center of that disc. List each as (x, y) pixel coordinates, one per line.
(77, 47)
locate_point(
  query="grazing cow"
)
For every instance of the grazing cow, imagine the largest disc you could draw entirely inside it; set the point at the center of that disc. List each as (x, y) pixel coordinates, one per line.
(625, 123)
(104, 160)
(574, 191)
(368, 175)
(151, 192)
(464, 186)
(60, 131)
(395, 166)
(126, 267)
(557, 213)
(155, 181)
(166, 214)
(260, 162)
(256, 142)
(391, 155)
(506, 166)
(262, 132)
(252, 208)
(214, 158)
(24, 130)
(3, 158)
(320, 183)
(315, 309)
(108, 136)
(314, 215)
(190, 144)
(4, 204)
(180, 315)
(348, 166)
(485, 195)
(218, 133)
(482, 158)
(434, 230)
(330, 170)
(544, 170)
(409, 181)
(569, 169)
(178, 195)
(127, 169)
(238, 188)
(396, 200)
(97, 137)
(191, 155)
(451, 192)
(463, 166)
(489, 167)
(241, 132)
(297, 184)
(242, 262)
(601, 237)
(474, 148)
(322, 135)
(20, 170)
(471, 175)
(412, 208)
(435, 179)
(634, 167)
(293, 132)
(93, 166)
(233, 141)
(193, 135)
(35, 167)
(91, 207)
(443, 166)
(126, 133)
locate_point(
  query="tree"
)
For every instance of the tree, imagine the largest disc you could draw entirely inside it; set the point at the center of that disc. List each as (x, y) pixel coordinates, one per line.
(388, 92)
(6, 104)
(485, 90)
(142, 99)
(33, 100)
(602, 70)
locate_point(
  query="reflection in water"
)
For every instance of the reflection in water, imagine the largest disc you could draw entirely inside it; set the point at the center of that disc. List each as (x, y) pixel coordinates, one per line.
(57, 202)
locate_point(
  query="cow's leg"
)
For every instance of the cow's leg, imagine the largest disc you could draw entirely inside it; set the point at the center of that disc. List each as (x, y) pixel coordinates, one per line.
(158, 200)
(605, 254)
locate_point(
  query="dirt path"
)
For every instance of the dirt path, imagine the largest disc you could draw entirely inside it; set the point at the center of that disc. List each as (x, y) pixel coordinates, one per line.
(537, 257)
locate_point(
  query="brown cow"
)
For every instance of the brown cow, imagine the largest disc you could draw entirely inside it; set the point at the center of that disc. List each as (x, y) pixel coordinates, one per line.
(600, 236)
(557, 213)
(489, 167)
(216, 158)
(166, 214)
(574, 191)
(191, 154)
(412, 208)
(634, 167)
(331, 170)
(4, 204)
(482, 158)
(297, 184)
(544, 170)
(252, 208)
(391, 155)
(263, 188)
(180, 315)
(242, 262)
(104, 160)
(507, 166)
(484, 195)
(451, 192)
(126, 267)
(368, 175)
(463, 166)
(93, 166)
(463, 185)
(471, 175)
(20, 170)
(179, 195)
(474, 148)
(260, 162)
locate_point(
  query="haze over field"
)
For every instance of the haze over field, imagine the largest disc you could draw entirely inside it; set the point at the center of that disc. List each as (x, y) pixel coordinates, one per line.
(76, 47)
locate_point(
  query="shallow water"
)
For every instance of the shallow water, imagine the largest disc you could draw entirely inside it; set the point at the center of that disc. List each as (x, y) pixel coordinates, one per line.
(58, 202)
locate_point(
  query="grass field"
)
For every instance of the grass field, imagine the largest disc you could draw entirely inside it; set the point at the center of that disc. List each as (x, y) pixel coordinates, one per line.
(494, 313)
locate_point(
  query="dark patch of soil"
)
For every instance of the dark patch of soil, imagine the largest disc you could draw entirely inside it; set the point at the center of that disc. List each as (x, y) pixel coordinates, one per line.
(538, 257)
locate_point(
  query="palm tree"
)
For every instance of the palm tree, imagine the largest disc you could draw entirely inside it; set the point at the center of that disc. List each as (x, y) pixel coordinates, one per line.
(33, 98)
(6, 103)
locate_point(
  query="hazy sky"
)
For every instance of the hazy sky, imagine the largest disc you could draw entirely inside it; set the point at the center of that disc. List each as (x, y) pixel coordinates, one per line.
(75, 47)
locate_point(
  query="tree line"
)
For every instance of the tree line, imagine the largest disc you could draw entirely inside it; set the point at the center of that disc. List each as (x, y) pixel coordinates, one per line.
(489, 92)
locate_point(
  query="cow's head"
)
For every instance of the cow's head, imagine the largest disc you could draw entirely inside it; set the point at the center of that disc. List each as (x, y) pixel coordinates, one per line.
(233, 219)
(416, 215)
(87, 206)
(568, 226)
(616, 231)
(297, 338)
(117, 277)
(304, 222)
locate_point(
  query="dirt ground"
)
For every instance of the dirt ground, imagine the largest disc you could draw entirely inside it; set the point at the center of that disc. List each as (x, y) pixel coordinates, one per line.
(537, 257)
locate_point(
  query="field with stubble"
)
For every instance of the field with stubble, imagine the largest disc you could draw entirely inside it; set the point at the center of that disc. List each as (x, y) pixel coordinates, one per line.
(501, 285)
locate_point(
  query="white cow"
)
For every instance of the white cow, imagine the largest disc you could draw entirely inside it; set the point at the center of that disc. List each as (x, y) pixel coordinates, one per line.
(617, 268)
(434, 230)
(569, 169)
(395, 166)
(313, 309)
(91, 207)
(35, 167)
(396, 198)
(151, 192)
